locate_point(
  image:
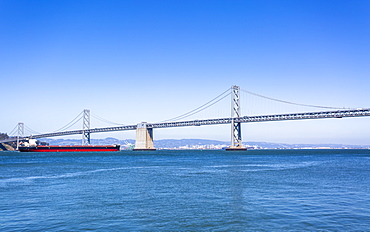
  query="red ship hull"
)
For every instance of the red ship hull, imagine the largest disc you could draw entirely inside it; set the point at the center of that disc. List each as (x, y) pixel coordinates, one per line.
(72, 148)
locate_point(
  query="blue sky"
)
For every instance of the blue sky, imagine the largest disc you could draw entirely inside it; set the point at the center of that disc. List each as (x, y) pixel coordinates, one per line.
(133, 61)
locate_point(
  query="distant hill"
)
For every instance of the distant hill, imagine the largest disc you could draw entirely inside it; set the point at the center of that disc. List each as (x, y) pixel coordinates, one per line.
(3, 136)
(6, 147)
(10, 146)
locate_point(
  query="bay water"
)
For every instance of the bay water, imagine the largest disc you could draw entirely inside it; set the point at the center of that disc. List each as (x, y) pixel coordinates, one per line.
(190, 190)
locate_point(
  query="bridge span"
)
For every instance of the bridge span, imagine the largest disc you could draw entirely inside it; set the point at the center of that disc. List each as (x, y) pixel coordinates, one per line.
(146, 129)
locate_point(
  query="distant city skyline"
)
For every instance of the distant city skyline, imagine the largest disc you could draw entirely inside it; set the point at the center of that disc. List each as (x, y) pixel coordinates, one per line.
(134, 61)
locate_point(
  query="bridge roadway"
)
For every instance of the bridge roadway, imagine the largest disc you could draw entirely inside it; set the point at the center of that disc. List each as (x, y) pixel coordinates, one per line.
(203, 122)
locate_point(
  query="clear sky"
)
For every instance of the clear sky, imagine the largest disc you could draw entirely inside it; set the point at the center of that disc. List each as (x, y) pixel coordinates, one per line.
(133, 61)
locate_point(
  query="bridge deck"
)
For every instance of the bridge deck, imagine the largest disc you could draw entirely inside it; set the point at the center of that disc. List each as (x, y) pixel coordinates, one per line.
(203, 122)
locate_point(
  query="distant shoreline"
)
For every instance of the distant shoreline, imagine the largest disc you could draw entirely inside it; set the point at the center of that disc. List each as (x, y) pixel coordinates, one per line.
(202, 144)
(196, 144)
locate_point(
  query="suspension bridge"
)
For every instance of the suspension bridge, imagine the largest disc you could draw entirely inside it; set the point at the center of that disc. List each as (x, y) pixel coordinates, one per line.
(144, 130)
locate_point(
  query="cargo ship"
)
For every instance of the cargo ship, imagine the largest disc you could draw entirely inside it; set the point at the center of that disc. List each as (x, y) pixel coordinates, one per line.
(71, 148)
(32, 146)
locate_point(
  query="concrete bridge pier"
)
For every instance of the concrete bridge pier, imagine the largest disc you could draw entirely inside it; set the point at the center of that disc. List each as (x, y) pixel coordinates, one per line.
(144, 138)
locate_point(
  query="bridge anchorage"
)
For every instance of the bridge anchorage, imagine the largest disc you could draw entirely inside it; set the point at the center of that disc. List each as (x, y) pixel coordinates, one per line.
(144, 138)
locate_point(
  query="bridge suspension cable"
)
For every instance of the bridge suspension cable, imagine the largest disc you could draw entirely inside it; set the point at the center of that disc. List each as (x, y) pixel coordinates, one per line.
(292, 103)
(13, 131)
(30, 130)
(106, 120)
(71, 123)
(202, 107)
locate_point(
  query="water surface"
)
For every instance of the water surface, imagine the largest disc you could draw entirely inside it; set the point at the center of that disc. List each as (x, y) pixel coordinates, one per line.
(268, 190)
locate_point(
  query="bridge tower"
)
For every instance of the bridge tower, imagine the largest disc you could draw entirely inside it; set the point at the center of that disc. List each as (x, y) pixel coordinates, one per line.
(144, 138)
(236, 129)
(86, 126)
(20, 132)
